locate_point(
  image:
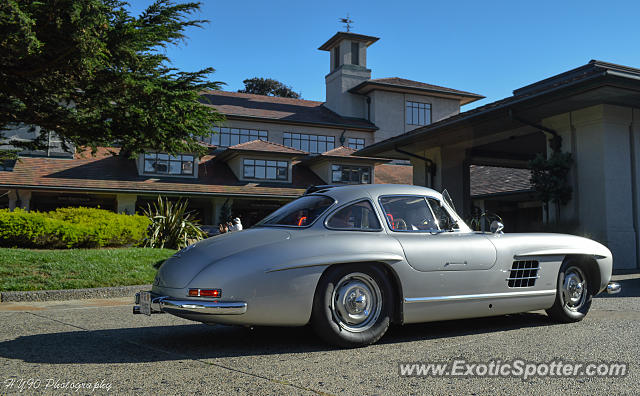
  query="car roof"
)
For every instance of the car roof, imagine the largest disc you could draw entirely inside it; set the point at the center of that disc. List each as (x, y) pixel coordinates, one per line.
(344, 193)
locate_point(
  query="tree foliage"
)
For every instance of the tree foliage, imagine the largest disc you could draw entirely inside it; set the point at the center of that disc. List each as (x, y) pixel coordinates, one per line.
(549, 177)
(96, 75)
(269, 87)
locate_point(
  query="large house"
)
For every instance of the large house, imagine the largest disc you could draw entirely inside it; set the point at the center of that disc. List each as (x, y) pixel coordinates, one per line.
(267, 152)
(592, 112)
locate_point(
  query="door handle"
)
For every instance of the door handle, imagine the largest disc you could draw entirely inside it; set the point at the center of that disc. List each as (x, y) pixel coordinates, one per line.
(454, 263)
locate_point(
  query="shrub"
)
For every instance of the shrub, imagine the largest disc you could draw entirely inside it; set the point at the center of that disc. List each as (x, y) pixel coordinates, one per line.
(70, 228)
(171, 225)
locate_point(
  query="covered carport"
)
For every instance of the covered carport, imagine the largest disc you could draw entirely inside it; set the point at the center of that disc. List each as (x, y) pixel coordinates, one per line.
(592, 112)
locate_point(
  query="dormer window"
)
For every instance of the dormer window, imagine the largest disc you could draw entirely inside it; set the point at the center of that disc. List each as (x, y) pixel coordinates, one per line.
(350, 174)
(265, 169)
(172, 165)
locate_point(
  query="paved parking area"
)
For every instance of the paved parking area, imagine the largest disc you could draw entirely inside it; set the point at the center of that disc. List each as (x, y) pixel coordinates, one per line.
(65, 343)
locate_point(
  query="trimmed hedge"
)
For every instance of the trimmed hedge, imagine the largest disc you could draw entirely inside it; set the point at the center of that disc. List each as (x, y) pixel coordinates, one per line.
(70, 228)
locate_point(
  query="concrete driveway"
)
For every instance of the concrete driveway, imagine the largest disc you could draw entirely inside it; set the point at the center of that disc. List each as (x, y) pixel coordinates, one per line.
(60, 347)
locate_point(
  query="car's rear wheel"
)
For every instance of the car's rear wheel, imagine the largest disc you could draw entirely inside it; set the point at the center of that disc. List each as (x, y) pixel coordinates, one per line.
(352, 306)
(573, 299)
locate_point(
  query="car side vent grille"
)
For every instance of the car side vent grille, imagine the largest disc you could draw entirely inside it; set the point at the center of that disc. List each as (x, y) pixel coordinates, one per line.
(523, 274)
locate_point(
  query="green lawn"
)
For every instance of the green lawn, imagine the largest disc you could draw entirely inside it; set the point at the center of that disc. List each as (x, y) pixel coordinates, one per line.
(24, 269)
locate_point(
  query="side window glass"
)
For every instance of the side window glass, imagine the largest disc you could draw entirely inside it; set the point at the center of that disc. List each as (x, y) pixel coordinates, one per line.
(445, 221)
(408, 213)
(358, 216)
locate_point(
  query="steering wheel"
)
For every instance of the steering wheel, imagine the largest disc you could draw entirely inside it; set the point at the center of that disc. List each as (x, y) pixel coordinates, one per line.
(401, 224)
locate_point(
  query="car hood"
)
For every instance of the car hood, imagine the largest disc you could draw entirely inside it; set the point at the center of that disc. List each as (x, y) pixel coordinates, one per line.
(178, 270)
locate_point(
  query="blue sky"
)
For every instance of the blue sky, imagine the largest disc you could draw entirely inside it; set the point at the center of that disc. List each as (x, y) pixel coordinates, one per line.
(485, 47)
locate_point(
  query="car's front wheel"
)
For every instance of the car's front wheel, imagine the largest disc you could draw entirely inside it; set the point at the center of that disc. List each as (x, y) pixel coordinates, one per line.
(573, 299)
(352, 306)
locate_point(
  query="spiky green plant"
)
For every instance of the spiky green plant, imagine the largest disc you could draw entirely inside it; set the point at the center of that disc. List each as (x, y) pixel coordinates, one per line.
(172, 226)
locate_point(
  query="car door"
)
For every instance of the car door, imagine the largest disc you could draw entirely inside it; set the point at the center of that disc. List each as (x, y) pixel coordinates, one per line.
(418, 223)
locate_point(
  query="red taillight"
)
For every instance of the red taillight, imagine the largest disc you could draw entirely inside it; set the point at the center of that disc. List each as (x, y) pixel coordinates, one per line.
(215, 293)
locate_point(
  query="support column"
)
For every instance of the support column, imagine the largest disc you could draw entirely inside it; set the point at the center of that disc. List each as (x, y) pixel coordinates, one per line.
(456, 179)
(25, 199)
(127, 203)
(217, 204)
(13, 198)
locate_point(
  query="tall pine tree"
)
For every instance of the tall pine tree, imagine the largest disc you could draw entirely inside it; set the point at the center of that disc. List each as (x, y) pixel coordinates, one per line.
(96, 75)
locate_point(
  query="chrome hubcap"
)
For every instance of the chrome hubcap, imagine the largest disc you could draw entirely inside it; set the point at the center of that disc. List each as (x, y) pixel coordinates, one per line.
(356, 302)
(574, 288)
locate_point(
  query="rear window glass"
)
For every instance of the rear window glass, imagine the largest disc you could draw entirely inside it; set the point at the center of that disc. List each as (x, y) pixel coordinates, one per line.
(408, 213)
(358, 216)
(299, 213)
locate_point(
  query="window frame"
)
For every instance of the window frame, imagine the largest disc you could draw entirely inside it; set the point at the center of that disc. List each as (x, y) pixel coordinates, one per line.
(356, 143)
(355, 55)
(424, 197)
(308, 140)
(266, 166)
(219, 131)
(353, 202)
(327, 210)
(169, 161)
(370, 168)
(416, 122)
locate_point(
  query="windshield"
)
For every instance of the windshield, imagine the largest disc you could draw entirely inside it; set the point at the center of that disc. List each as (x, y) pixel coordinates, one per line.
(300, 213)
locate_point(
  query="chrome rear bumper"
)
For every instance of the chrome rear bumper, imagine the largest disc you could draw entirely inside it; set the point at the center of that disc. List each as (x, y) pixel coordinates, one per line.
(167, 304)
(613, 288)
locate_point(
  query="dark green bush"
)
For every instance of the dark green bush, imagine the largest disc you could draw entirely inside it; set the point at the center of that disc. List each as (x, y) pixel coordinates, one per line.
(70, 228)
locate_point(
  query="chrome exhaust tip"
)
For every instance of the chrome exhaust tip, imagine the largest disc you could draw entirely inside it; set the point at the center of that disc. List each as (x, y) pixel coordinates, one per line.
(613, 288)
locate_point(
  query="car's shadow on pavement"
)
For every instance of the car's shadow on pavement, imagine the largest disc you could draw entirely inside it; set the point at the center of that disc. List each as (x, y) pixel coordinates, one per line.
(197, 341)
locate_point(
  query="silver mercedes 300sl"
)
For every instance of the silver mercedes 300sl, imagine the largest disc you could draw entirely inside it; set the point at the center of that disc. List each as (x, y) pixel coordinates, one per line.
(351, 260)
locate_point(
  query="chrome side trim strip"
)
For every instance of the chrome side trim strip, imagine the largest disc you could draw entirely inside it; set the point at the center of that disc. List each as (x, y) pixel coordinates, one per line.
(480, 296)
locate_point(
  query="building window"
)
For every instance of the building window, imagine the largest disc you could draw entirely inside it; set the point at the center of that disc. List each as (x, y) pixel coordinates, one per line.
(165, 164)
(355, 53)
(350, 174)
(336, 57)
(418, 113)
(225, 137)
(309, 143)
(355, 143)
(265, 169)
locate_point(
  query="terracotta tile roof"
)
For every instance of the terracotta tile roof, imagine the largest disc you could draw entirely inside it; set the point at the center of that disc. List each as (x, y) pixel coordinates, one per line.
(105, 172)
(403, 82)
(340, 151)
(261, 145)
(344, 153)
(393, 174)
(288, 110)
(486, 180)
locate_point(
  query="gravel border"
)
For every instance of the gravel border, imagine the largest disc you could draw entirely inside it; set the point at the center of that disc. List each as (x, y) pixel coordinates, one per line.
(72, 294)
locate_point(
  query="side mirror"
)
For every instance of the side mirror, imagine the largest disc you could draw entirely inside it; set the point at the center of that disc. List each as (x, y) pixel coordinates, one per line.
(496, 227)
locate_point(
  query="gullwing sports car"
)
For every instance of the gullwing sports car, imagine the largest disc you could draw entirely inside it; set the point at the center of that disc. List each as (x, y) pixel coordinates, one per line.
(351, 260)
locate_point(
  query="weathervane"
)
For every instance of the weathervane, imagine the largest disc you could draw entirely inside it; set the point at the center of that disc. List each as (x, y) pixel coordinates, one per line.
(347, 22)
